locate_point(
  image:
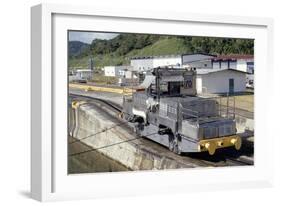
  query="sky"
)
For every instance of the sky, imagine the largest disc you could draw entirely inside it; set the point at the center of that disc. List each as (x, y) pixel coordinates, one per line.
(88, 37)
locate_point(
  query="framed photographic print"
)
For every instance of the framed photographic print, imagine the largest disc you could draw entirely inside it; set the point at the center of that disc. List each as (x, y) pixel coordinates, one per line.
(135, 102)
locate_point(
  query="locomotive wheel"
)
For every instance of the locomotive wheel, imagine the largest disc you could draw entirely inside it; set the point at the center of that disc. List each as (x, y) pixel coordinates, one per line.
(127, 117)
(176, 149)
(138, 129)
(173, 144)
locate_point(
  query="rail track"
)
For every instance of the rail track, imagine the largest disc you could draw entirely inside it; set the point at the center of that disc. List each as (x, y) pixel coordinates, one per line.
(240, 161)
(223, 158)
(219, 160)
(106, 102)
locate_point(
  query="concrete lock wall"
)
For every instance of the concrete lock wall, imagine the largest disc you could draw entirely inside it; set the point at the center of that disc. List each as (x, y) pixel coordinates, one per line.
(88, 119)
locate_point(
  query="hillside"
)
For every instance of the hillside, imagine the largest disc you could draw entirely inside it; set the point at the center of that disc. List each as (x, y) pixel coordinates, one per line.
(163, 46)
(76, 48)
(119, 50)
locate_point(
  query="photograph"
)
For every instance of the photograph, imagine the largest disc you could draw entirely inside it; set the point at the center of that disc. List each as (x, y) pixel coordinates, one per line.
(139, 101)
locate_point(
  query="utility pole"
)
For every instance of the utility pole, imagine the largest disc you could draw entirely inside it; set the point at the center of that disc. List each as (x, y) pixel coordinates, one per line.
(91, 64)
(91, 67)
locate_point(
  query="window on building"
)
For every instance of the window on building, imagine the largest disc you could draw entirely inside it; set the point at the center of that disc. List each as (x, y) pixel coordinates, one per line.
(250, 67)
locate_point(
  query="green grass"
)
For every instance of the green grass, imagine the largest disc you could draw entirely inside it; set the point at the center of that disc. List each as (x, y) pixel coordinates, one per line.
(101, 79)
(99, 61)
(164, 46)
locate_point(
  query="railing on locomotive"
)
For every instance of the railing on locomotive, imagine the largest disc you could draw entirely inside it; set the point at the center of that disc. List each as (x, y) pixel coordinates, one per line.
(190, 113)
(227, 111)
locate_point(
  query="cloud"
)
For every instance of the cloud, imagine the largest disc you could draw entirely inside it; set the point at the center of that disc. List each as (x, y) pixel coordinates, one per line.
(88, 37)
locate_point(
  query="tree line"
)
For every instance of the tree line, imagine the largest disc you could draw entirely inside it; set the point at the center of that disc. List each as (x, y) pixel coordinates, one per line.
(124, 43)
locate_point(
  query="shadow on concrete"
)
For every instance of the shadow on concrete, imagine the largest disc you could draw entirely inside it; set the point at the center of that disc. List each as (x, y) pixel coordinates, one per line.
(25, 193)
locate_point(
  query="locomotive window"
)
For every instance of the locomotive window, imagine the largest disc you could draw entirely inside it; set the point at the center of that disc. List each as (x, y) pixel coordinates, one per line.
(188, 83)
(163, 88)
(166, 88)
(174, 88)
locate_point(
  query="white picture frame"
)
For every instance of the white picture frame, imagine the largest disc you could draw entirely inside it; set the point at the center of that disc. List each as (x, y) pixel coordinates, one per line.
(49, 179)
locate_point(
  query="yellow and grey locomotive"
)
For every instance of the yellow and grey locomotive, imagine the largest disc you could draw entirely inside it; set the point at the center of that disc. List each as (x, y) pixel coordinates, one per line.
(167, 110)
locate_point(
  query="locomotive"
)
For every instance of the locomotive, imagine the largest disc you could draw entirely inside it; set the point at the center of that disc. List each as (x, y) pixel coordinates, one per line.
(166, 109)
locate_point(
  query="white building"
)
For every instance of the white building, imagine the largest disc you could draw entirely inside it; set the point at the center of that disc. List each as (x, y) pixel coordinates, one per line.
(243, 63)
(129, 74)
(116, 71)
(141, 64)
(215, 74)
(201, 61)
(220, 81)
(80, 75)
(198, 60)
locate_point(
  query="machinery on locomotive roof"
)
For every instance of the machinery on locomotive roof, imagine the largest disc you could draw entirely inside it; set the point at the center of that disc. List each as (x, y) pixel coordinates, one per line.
(167, 110)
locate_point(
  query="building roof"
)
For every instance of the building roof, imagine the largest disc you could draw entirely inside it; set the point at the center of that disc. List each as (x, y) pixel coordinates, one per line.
(156, 57)
(212, 57)
(172, 55)
(233, 57)
(199, 53)
(210, 70)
